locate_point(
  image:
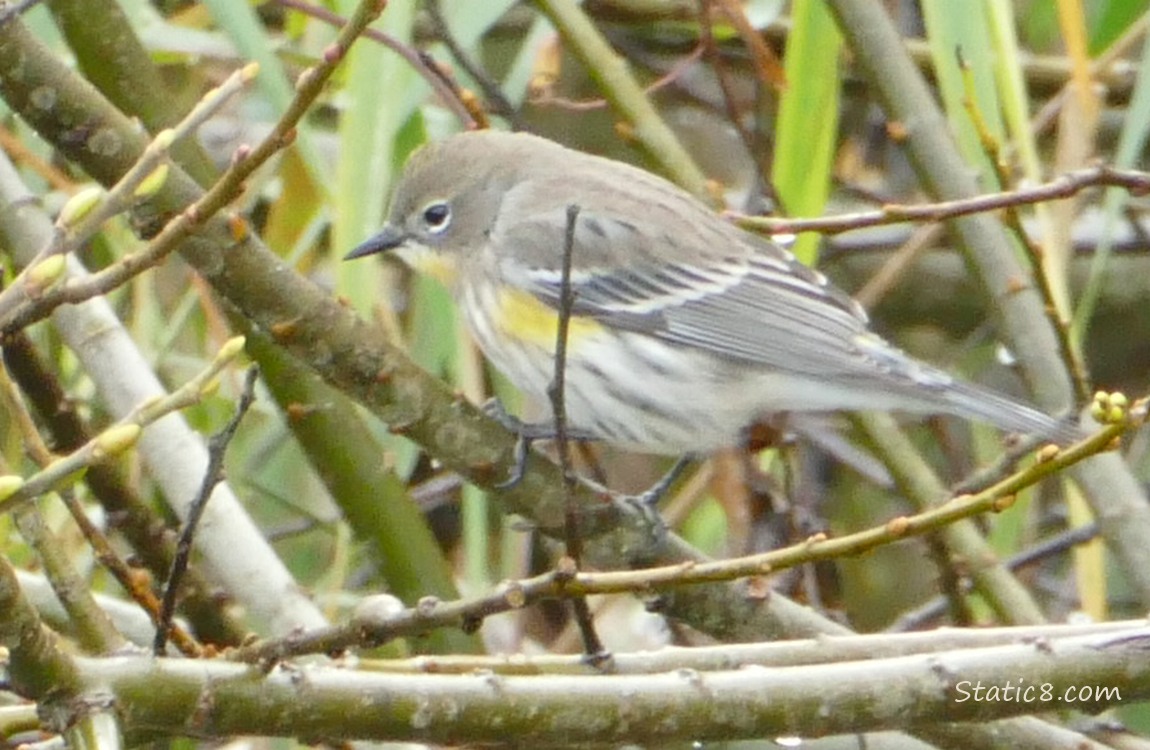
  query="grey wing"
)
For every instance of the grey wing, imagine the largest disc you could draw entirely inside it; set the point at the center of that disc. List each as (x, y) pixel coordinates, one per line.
(671, 269)
(737, 296)
(744, 299)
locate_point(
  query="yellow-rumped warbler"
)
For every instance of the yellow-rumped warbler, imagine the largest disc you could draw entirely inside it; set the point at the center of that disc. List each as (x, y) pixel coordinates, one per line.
(685, 329)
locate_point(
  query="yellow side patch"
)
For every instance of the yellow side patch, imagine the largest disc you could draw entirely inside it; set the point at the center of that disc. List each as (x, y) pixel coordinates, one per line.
(522, 316)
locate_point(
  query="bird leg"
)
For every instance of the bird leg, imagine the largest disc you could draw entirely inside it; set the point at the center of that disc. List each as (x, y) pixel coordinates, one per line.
(651, 496)
(526, 433)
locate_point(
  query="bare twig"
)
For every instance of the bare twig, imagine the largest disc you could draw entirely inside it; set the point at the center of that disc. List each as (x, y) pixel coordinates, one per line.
(117, 438)
(497, 101)
(97, 633)
(879, 284)
(627, 98)
(827, 649)
(543, 97)
(761, 157)
(1066, 185)
(135, 583)
(127, 513)
(447, 95)
(213, 475)
(557, 392)
(1036, 254)
(937, 607)
(83, 215)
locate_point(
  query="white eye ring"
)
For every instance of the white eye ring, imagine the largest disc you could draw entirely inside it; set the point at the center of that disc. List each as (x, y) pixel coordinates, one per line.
(437, 216)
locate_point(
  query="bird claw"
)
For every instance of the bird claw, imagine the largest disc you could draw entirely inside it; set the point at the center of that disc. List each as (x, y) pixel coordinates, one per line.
(658, 490)
(600, 660)
(656, 527)
(647, 502)
(526, 433)
(519, 467)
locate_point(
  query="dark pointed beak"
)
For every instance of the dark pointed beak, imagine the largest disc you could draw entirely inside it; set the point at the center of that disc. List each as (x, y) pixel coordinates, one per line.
(388, 239)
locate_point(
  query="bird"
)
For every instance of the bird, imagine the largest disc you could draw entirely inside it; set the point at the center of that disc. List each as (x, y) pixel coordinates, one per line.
(684, 329)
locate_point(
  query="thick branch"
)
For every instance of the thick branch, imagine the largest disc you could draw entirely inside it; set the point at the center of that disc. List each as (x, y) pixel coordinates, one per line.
(219, 699)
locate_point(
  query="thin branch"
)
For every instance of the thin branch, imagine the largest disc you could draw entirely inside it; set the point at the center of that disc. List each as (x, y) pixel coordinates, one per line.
(557, 389)
(1005, 464)
(1010, 600)
(86, 212)
(127, 512)
(893, 269)
(447, 94)
(497, 101)
(97, 633)
(828, 649)
(542, 95)
(1135, 182)
(213, 475)
(624, 92)
(132, 581)
(936, 607)
(557, 394)
(1039, 268)
(120, 436)
(711, 52)
(768, 69)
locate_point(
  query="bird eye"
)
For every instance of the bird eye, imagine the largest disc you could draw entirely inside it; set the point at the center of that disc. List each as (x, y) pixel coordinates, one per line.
(437, 216)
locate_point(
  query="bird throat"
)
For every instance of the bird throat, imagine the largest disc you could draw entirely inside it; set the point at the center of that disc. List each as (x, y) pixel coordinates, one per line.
(436, 266)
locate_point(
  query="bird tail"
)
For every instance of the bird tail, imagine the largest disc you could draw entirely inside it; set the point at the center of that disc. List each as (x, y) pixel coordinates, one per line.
(971, 401)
